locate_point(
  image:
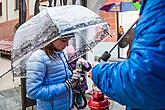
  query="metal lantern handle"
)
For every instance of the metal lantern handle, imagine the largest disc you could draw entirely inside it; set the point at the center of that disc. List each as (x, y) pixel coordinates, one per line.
(83, 97)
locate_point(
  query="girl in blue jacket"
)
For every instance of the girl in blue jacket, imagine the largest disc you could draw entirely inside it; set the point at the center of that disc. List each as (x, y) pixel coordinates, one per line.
(49, 79)
(139, 82)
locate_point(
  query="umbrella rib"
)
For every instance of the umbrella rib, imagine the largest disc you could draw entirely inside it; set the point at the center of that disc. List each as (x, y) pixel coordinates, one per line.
(85, 42)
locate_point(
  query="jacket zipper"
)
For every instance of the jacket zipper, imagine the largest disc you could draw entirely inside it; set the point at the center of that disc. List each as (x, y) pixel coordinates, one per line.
(66, 77)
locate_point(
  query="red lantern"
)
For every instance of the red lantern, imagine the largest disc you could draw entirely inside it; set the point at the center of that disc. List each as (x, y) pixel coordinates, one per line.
(98, 101)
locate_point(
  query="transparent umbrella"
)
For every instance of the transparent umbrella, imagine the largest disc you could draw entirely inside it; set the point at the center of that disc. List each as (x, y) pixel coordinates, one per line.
(52, 23)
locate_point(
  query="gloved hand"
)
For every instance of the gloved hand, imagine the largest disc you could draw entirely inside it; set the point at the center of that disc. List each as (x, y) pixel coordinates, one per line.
(81, 60)
(85, 64)
(72, 82)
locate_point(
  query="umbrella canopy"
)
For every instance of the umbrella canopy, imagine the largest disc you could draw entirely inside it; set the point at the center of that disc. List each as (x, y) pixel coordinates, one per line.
(120, 6)
(53, 23)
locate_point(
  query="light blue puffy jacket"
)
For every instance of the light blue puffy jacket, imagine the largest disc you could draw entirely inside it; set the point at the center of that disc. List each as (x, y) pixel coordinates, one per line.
(45, 81)
(139, 82)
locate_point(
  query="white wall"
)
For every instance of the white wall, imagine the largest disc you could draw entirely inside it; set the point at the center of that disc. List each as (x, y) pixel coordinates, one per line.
(3, 17)
(12, 13)
(31, 7)
(126, 19)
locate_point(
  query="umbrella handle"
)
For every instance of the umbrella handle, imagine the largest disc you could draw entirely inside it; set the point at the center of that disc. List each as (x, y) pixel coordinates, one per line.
(107, 54)
(83, 97)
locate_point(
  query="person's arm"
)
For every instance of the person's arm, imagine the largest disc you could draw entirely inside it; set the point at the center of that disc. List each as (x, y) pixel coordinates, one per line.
(36, 70)
(139, 82)
(115, 81)
(130, 83)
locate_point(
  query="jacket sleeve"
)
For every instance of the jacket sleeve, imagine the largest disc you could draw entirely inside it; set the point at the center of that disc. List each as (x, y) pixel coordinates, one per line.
(137, 82)
(36, 70)
(113, 83)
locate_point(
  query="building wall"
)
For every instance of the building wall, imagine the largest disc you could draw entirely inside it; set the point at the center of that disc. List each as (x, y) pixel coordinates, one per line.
(6, 30)
(9, 19)
(12, 12)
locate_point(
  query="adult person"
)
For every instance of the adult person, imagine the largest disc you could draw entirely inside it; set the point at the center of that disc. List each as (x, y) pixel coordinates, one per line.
(49, 79)
(139, 82)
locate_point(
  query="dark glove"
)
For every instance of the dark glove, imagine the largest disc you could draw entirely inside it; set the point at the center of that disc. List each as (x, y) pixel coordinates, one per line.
(73, 81)
(85, 64)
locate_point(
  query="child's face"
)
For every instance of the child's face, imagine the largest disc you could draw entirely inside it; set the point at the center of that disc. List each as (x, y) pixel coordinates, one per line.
(61, 44)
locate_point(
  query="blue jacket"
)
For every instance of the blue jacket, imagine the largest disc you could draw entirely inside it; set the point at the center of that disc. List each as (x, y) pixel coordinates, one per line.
(45, 81)
(139, 82)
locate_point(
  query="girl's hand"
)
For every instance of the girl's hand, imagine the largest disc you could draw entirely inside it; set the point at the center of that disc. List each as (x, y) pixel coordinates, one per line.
(83, 61)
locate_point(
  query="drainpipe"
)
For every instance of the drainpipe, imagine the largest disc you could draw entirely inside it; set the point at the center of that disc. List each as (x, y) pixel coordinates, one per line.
(55, 1)
(73, 2)
(50, 3)
(22, 12)
(84, 3)
(65, 2)
(36, 7)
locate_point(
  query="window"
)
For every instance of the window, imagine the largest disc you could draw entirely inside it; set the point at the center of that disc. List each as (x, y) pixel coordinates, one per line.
(0, 8)
(16, 4)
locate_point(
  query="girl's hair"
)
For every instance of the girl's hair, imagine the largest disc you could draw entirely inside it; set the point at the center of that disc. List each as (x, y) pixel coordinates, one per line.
(50, 51)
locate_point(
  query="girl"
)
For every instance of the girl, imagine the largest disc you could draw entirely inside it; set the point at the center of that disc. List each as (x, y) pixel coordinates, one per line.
(49, 79)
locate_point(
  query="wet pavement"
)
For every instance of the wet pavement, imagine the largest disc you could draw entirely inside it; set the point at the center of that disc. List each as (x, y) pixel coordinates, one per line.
(10, 99)
(6, 81)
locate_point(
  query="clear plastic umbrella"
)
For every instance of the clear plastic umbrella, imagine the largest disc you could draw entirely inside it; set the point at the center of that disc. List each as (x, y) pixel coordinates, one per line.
(52, 23)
